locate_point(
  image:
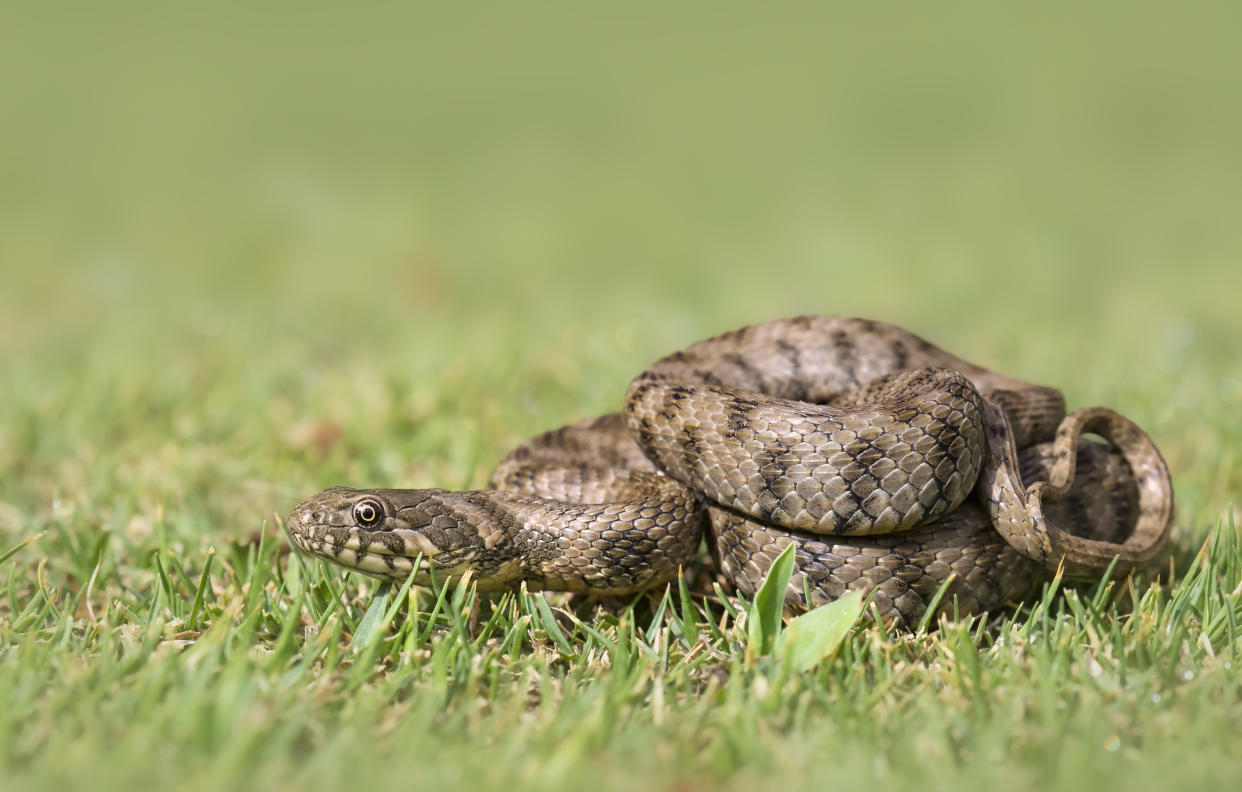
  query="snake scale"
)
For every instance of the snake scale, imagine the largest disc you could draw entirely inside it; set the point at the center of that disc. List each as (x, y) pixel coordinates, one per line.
(894, 466)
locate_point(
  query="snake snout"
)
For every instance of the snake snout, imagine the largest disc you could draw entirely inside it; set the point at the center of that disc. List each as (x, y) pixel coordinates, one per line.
(307, 516)
(318, 513)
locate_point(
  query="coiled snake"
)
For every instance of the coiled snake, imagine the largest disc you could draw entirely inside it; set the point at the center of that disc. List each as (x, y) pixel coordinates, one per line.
(857, 441)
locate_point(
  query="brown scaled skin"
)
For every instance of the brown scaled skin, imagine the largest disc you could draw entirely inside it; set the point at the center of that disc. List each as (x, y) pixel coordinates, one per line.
(855, 440)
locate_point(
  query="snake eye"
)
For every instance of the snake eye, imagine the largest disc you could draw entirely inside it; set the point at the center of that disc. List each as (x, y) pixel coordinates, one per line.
(368, 512)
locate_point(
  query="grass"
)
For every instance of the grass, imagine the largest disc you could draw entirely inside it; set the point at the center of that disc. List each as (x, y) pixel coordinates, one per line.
(249, 255)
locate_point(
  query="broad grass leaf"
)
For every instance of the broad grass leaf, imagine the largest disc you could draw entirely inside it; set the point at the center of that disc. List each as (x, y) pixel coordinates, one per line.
(814, 636)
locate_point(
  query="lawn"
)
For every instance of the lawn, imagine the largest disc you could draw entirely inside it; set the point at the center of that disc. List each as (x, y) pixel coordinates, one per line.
(249, 254)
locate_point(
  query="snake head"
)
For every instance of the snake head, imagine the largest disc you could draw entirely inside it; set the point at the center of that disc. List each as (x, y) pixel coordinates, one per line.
(386, 534)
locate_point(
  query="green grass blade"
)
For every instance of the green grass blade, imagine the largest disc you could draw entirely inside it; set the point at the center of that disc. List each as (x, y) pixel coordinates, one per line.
(763, 621)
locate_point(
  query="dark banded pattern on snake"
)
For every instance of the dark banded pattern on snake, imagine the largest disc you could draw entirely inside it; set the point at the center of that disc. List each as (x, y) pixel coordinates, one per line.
(856, 440)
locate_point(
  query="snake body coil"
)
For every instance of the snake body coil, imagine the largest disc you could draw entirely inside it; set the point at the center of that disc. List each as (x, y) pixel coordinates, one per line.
(857, 441)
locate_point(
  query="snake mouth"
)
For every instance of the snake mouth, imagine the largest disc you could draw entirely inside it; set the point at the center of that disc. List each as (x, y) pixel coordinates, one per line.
(380, 565)
(359, 554)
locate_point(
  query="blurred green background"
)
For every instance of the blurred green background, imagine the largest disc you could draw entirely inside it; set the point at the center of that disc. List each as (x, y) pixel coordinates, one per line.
(253, 249)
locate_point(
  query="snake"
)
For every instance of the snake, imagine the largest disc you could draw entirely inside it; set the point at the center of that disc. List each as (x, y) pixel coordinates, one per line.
(892, 466)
